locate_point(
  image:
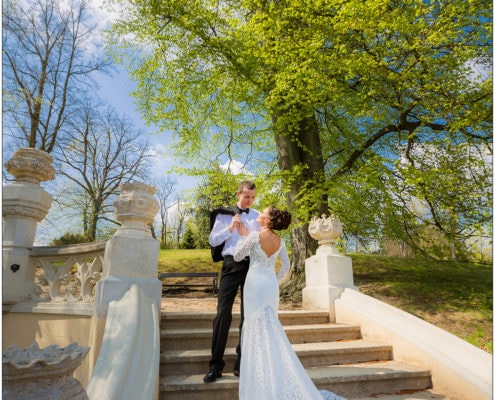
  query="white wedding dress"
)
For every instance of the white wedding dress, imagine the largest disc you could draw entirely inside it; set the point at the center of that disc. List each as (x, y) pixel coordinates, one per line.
(270, 369)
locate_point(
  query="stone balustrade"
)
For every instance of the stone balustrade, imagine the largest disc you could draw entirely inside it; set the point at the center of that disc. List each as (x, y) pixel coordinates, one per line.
(67, 273)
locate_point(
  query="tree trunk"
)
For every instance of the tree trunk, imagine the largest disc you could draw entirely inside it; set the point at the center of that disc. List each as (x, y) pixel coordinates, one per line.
(299, 150)
(91, 232)
(93, 219)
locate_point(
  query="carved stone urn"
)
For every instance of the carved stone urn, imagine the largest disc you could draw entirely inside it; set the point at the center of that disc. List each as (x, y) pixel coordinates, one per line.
(36, 373)
(326, 231)
(24, 204)
(31, 165)
(136, 207)
(132, 252)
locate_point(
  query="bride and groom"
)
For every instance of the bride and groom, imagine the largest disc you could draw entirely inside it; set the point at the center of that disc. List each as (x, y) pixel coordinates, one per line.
(269, 367)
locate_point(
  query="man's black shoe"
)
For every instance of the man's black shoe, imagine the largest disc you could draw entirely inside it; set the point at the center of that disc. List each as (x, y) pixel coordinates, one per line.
(212, 376)
(237, 372)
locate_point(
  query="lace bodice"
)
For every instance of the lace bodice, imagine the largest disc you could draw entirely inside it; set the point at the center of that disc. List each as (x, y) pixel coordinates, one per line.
(250, 246)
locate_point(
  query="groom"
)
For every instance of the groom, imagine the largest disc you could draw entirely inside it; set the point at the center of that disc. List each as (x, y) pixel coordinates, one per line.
(233, 276)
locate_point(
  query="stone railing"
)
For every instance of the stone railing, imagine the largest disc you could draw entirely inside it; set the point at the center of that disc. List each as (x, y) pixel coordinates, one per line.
(67, 274)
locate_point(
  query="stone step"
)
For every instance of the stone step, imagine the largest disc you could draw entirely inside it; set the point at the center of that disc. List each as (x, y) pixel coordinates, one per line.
(193, 339)
(190, 362)
(195, 320)
(358, 380)
(429, 394)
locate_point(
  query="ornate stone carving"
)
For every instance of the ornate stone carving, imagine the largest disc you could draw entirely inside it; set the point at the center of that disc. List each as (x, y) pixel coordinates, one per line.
(25, 211)
(325, 230)
(60, 283)
(31, 165)
(136, 207)
(36, 373)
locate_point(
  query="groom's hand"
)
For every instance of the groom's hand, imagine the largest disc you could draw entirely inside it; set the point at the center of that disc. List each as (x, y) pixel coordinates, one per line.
(235, 223)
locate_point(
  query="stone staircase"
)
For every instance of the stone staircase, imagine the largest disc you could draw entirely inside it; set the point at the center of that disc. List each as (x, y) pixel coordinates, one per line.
(335, 356)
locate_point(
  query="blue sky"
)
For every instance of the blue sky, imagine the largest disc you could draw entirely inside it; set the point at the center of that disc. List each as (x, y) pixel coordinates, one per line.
(116, 91)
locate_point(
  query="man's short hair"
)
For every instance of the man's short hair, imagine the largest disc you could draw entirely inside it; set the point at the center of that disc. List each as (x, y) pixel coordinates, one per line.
(248, 185)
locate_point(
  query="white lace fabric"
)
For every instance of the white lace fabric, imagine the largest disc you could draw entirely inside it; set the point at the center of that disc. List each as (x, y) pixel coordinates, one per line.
(270, 368)
(246, 247)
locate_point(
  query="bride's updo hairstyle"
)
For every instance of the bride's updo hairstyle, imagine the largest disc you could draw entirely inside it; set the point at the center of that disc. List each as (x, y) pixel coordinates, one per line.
(279, 219)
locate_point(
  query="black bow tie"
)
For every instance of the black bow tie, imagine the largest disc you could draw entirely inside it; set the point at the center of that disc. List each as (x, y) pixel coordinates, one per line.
(240, 210)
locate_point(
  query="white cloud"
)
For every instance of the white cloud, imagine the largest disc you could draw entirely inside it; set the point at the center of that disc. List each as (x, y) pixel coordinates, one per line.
(161, 160)
(235, 167)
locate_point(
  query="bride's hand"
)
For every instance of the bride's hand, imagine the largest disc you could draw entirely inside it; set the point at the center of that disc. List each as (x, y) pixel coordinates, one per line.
(242, 229)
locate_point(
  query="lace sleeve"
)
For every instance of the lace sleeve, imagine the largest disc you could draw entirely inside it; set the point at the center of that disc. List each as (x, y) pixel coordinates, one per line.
(243, 247)
(284, 259)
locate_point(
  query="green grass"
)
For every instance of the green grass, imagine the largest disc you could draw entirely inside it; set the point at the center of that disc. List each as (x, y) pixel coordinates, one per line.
(457, 297)
(172, 260)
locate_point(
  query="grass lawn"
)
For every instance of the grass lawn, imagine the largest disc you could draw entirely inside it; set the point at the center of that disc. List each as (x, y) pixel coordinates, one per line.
(457, 297)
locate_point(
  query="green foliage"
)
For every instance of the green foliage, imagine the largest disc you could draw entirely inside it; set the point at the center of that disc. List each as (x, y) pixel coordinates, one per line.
(70, 238)
(218, 189)
(188, 241)
(379, 111)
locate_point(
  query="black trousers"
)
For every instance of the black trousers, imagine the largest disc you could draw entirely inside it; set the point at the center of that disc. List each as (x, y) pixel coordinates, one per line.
(232, 278)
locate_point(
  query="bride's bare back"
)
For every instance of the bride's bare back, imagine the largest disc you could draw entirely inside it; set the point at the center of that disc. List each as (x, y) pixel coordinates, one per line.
(269, 241)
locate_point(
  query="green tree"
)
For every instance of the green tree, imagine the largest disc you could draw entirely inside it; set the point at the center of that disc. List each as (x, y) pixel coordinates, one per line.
(331, 87)
(70, 238)
(188, 241)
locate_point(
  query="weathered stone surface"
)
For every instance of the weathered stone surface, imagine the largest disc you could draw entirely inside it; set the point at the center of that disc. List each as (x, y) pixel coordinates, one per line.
(35, 373)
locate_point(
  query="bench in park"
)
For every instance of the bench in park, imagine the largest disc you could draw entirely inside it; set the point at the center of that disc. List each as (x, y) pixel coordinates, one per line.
(212, 275)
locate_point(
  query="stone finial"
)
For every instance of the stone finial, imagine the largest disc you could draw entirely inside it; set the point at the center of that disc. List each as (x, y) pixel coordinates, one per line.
(136, 207)
(31, 165)
(325, 230)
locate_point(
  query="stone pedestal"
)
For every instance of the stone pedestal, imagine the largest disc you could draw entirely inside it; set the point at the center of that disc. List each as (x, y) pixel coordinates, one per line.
(24, 204)
(131, 255)
(127, 303)
(36, 373)
(327, 272)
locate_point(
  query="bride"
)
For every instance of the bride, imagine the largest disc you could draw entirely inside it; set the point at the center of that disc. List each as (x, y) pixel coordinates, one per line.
(270, 368)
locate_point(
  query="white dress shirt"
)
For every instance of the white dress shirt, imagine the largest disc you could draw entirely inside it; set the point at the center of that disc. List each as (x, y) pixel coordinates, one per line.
(220, 232)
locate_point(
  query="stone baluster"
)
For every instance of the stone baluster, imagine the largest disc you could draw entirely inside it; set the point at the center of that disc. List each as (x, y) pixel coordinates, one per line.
(328, 272)
(25, 203)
